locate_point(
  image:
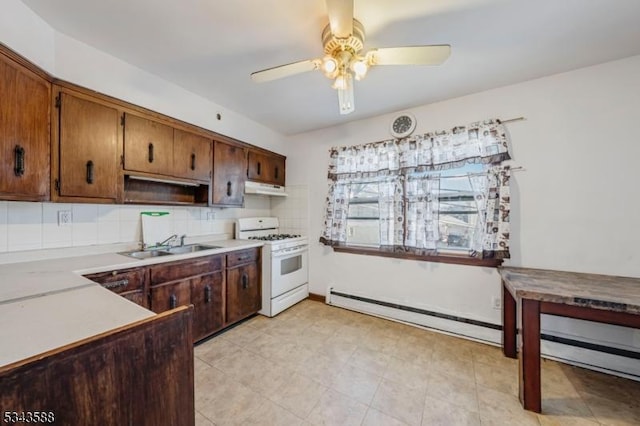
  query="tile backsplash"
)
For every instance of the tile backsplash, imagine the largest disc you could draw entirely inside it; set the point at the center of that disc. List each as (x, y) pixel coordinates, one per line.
(34, 226)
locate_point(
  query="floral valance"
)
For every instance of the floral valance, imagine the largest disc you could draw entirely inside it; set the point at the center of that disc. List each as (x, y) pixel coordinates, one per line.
(480, 142)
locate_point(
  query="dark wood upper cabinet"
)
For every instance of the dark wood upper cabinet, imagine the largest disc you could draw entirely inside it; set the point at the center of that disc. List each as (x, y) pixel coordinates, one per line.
(191, 156)
(24, 133)
(148, 146)
(229, 174)
(266, 167)
(88, 148)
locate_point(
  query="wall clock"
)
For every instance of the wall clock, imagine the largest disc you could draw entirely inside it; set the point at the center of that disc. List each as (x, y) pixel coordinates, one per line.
(402, 125)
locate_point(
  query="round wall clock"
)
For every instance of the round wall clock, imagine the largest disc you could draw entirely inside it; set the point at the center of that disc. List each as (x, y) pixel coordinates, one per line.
(403, 125)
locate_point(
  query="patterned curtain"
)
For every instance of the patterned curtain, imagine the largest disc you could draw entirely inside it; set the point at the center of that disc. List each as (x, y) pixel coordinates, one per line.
(482, 142)
(422, 213)
(390, 204)
(493, 199)
(408, 202)
(336, 212)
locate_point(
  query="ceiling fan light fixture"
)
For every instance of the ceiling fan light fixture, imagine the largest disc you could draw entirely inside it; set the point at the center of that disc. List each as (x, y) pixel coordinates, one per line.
(329, 66)
(360, 68)
(345, 94)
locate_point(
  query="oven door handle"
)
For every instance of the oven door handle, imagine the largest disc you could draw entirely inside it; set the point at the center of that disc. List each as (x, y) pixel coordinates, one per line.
(290, 252)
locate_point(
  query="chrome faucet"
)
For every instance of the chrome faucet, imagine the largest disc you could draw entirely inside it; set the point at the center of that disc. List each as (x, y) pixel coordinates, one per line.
(167, 241)
(182, 237)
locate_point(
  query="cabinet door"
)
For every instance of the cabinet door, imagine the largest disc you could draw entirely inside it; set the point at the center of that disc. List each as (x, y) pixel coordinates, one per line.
(243, 292)
(88, 148)
(229, 174)
(170, 296)
(148, 146)
(25, 100)
(267, 168)
(207, 299)
(191, 156)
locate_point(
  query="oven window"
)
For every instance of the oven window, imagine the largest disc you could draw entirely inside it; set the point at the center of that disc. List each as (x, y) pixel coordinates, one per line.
(291, 264)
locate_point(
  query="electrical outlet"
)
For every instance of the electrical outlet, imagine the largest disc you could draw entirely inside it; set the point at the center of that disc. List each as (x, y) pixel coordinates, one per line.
(496, 302)
(64, 217)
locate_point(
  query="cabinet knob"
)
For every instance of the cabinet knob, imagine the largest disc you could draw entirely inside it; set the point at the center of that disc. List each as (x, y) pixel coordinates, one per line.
(276, 173)
(259, 168)
(228, 189)
(173, 301)
(193, 161)
(89, 172)
(151, 152)
(18, 153)
(207, 294)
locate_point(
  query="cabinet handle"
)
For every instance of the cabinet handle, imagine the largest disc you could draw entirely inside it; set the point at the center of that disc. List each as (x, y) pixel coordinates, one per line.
(228, 189)
(173, 301)
(259, 168)
(18, 152)
(193, 161)
(207, 294)
(276, 173)
(245, 281)
(116, 284)
(151, 152)
(89, 172)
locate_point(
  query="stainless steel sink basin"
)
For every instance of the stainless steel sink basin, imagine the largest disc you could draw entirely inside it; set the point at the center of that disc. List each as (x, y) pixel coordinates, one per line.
(189, 248)
(145, 254)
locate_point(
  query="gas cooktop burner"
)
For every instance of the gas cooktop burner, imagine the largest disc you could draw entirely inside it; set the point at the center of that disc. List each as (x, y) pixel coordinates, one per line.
(274, 237)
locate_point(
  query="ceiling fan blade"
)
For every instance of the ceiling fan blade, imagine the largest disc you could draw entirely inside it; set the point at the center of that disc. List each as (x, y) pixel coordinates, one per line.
(411, 55)
(285, 70)
(340, 17)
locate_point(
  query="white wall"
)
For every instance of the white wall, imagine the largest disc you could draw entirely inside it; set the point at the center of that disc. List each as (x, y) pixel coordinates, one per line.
(575, 205)
(26, 33)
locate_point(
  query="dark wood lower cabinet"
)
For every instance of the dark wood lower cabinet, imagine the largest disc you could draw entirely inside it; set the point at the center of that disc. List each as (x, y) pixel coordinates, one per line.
(140, 374)
(207, 297)
(223, 288)
(132, 284)
(243, 292)
(169, 296)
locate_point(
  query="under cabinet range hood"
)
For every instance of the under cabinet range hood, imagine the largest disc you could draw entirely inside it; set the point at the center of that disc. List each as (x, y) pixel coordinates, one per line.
(251, 187)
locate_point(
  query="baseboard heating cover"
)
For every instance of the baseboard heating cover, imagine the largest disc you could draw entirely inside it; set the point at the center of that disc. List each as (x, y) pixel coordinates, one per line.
(603, 358)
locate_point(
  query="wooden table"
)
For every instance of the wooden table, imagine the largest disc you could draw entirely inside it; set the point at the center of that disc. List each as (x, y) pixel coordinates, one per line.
(527, 293)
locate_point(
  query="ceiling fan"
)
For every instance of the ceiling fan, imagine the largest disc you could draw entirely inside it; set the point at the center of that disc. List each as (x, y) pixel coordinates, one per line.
(343, 41)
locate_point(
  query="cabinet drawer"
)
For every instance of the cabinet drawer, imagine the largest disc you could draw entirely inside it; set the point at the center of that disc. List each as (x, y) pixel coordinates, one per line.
(120, 281)
(241, 257)
(185, 269)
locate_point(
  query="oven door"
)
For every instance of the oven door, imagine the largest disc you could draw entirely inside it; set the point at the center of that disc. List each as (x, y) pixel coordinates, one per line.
(289, 269)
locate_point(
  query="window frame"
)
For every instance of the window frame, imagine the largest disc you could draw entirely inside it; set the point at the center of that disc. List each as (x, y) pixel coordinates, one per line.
(444, 256)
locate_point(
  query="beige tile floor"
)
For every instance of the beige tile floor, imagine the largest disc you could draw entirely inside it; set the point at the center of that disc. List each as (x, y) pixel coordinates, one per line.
(320, 365)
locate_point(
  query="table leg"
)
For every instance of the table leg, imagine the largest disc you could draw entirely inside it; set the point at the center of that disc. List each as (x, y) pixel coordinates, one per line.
(529, 371)
(509, 324)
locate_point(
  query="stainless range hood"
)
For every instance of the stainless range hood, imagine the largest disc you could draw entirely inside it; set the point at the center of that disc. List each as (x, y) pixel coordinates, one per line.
(251, 187)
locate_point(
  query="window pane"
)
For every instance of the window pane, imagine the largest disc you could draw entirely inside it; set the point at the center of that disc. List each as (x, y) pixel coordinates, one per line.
(458, 212)
(363, 221)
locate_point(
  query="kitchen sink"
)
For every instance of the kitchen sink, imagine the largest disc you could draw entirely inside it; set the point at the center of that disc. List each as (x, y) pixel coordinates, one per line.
(189, 248)
(145, 254)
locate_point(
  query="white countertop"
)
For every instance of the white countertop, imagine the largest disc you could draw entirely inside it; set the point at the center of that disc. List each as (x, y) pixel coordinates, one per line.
(47, 304)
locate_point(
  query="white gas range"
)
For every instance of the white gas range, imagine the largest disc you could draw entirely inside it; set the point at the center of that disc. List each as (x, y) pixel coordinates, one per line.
(285, 271)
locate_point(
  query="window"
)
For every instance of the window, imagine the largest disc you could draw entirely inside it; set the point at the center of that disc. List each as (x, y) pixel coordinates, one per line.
(436, 195)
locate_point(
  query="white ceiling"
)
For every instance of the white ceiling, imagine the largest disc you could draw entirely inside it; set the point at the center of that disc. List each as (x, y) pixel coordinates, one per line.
(211, 46)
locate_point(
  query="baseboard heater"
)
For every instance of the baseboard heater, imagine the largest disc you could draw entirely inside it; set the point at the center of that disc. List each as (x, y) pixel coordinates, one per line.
(612, 360)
